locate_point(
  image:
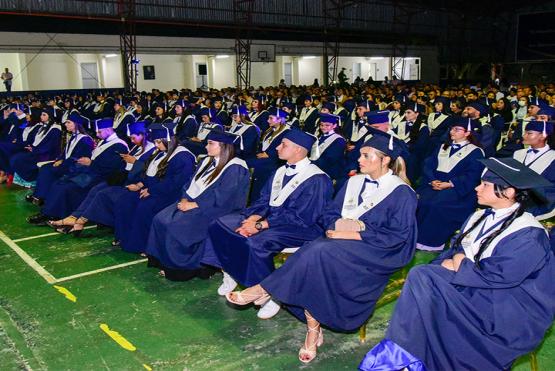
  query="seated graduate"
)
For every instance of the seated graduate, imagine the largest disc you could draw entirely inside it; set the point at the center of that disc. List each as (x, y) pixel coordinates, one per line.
(445, 195)
(540, 158)
(165, 173)
(78, 144)
(249, 132)
(45, 147)
(20, 133)
(438, 123)
(414, 131)
(292, 120)
(328, 152)
(267, 159)
(259, 115)
(308, 115)
(67, 193)
(219, 187)
(100, 200)
(486, 301)
(244, 244)
(371, 233)
(122, 120)
(186, 125)
(486, 134)
(209, 121)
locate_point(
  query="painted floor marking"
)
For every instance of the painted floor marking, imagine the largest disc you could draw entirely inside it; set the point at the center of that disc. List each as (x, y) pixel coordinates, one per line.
(46, 235)
(89, 273)
(48, 277)
(27, 259)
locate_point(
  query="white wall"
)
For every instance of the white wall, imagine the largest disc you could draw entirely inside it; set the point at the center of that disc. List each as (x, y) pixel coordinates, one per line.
(12, 62)
(51, 71)
(222, 72)
(169, 71)
(263, 74)
(112, 72)
(308, 70)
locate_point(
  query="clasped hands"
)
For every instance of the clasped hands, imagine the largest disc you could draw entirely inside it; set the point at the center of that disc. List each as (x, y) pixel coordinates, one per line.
(438, 185)
(454, 263)
(139, 187)
(248, 226)
(186, 205)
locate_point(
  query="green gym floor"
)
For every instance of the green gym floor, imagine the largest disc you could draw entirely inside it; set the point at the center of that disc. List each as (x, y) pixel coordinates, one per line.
(80, 304)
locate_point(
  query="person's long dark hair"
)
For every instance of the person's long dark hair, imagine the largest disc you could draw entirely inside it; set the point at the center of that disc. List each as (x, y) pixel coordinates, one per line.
(227, 153)
(171, 145)
(415, 129)
(507, 111)
(521, 196)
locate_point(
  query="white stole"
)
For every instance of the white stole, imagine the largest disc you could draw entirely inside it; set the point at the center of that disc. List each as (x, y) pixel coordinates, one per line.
(318, 149)
(357, 133)
(352, 210)
(104, 146)
(119, 118)
(305, 114)
(279, 193)
(71, 146)
(445, 163)
(205, 129)
(471, 248)
(197, 187)
(433, 123)
(540, 163)
(153, 166)
(269, 138)
(40, 136)
(148, 146)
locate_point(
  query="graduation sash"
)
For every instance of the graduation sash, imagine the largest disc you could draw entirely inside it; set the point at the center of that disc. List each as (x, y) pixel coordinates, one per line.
(445, 163)
(205, 129)
(433, 123)
(197, 187)
(119, 118)
(280, 194)
(241, 130)
(318, 149)
(270, 138)
(40, 136)
(254, 115)
(71, 146)
(357, 133)
(153, 166)
(352, 210)
(471, 244)
(138, 154)
(104, 146)
(305, 114)
(540, 163)
(26, 131)
(395, 118)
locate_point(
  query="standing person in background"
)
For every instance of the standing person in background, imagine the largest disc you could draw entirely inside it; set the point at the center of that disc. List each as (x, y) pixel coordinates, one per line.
(7, 76)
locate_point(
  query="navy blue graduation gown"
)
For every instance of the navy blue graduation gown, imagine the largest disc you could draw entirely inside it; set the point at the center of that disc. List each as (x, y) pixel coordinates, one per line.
(479, 319)
(25, 163)
(250, 260)
(264, 167)
(98, 206)
(261, 120)
(339, 281)
(309, 123)
(15, 143)
(121, 130)
(186, 128)
(177, 238)
(67, 193)
(332, 160)
(250, 138)
(49, 173)
(441, 213)
(133, 215)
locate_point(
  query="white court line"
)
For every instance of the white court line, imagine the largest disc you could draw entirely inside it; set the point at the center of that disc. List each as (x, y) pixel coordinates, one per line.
(68, 278)
(27, 259)
(46, 235)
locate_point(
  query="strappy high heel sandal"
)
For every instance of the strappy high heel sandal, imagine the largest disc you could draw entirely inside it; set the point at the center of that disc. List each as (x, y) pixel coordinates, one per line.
(243, 298)
(310, 351)
(77, 227)
(65, 222)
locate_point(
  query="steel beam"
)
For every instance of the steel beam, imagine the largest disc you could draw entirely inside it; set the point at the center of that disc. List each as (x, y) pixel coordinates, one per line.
(128, 44)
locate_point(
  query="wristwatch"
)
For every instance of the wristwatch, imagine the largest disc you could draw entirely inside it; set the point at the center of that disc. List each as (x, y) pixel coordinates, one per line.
(258, 226)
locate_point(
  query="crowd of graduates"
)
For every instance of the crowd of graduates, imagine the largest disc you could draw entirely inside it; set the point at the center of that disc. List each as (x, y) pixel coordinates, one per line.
(357, 177)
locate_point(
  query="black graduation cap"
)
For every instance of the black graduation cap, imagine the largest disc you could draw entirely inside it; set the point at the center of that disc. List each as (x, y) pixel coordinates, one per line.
(509, 172)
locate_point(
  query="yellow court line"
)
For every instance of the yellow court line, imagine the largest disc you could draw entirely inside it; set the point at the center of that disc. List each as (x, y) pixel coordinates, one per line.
(112, 267)
(46, 235)
(116, 336)
(27, 259)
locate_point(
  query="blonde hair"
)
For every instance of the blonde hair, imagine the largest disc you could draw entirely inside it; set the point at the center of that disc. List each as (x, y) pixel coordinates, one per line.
(398, 166)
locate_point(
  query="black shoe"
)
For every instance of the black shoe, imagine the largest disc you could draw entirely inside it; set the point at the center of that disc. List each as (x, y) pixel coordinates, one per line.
(206, 272)
(29, 198)
(38, 219)
(38, 201)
